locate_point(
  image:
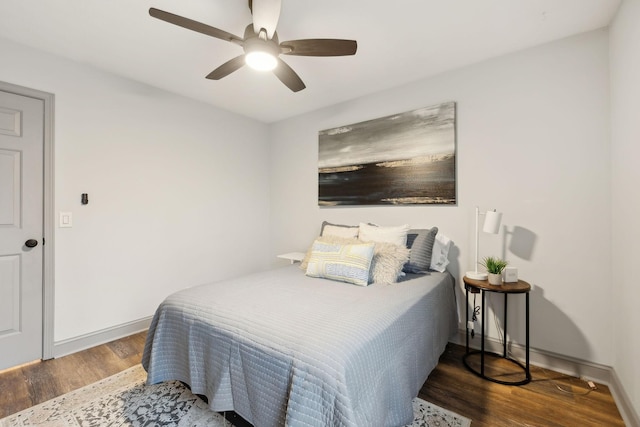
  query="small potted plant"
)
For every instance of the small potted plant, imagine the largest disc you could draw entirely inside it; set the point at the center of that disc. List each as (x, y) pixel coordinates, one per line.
(494, 267)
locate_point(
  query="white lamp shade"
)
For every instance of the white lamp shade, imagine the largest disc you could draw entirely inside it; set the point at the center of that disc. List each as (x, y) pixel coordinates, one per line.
(492, 221)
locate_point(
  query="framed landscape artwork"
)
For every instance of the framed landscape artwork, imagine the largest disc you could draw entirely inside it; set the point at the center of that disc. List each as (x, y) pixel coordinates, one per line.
(402, 159)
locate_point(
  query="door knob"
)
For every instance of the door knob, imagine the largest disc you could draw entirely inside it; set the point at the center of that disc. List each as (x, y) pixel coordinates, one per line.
(31, 243)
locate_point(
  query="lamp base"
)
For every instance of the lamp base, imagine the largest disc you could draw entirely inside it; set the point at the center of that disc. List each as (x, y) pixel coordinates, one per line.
(476, 275)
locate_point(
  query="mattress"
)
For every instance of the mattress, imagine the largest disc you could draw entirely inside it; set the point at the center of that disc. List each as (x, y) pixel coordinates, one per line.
(280, 348)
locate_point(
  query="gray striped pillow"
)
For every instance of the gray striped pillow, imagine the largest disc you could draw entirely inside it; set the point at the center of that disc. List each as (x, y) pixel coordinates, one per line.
(420, 241)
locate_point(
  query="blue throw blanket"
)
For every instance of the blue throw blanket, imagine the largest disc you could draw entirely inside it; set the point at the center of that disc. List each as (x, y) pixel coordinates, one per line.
(281, 348)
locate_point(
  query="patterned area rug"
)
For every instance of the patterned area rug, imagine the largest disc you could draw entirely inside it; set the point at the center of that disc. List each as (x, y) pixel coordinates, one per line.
(124, 400)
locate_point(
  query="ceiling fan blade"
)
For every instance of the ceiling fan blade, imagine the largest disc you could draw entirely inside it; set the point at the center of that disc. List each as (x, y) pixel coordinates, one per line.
(194, 25)
(288, 76)
(226, 68)
(319, 47)
(266, 14)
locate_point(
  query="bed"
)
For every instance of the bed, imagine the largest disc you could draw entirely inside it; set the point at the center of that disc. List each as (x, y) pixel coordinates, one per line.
(281, 348)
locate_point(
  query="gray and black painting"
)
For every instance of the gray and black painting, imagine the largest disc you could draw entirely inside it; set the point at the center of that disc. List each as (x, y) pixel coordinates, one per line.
(402, 159)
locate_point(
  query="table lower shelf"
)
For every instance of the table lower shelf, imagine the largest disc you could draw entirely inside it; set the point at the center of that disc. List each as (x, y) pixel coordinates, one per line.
(481, 374)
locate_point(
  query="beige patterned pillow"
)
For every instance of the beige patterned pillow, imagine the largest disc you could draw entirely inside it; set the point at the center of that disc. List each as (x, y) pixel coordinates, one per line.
(344, 263)
(388, 258)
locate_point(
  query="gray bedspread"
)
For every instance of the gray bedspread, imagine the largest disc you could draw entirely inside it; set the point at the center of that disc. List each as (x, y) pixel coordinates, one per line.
(281, 348)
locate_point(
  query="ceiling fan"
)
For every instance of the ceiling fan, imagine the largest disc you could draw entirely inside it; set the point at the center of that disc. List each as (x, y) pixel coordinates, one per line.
(262, 49)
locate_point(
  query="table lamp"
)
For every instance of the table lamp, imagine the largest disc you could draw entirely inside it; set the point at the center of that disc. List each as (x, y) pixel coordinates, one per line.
(491, 225)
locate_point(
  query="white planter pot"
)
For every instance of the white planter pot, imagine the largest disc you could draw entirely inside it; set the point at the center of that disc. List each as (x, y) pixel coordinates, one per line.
(495, 279)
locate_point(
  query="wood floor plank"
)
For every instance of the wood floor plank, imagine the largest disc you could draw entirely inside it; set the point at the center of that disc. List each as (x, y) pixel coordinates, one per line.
(41, 381)
(450, 386)
(14, 392)
(538, 403)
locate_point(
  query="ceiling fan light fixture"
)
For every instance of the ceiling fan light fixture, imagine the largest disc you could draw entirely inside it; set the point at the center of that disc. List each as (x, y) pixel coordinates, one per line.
(260, 60)
(261, 55)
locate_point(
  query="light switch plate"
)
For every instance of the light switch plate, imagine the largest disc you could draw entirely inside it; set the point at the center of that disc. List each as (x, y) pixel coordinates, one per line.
(66, 219)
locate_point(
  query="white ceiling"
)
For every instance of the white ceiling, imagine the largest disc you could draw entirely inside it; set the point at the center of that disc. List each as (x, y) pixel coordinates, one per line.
(398, 42)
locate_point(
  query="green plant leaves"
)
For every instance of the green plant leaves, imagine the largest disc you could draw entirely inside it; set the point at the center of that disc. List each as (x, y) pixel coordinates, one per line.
(494, 265)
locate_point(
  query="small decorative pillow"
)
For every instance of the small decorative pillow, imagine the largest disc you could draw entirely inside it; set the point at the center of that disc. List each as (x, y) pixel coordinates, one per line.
(373, 233)
(334, 240)
(345, 263)
(339, 230)
(420, 241)
(388, 260)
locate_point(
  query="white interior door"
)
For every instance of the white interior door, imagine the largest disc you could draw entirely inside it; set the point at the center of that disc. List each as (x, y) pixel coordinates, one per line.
(21, 226)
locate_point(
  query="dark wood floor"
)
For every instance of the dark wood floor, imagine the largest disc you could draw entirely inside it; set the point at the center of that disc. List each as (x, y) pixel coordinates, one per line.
(450, 385)
(539, 403)
(38, 382)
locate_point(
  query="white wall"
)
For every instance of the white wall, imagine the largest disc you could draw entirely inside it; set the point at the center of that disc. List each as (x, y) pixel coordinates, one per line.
(625, 111)
(533, 142)
(178, 191)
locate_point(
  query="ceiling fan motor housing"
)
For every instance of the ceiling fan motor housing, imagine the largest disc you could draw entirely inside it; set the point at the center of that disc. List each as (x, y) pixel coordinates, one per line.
(260, 52)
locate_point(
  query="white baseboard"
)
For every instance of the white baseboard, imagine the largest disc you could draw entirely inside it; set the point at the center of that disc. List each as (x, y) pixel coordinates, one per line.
(629, 415)
(566, 365)
(83, 342)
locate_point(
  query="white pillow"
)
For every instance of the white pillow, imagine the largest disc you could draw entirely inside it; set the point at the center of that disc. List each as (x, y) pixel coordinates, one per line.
(339, 230)
(440, 254)
(372, 233)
